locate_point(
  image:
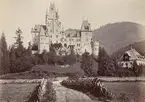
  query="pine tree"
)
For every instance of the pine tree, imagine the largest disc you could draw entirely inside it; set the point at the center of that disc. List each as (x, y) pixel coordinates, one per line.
(1, 54)
(12, 58)
(20, 50)
(87, 64)
(29, 50)
(106, 64)
(44, 57)
(5, 56)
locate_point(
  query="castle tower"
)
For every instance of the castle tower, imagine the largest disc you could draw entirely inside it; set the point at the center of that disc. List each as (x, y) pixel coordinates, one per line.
(53, 26)
(86, 37)
(95, 48)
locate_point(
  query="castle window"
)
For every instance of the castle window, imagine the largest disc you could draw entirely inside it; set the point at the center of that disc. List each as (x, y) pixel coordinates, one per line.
(78, 40)
(86, 27)
(78, 45)
(87, 39)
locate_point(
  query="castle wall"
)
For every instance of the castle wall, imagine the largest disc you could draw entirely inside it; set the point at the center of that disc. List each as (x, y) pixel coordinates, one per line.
(81, 39)
(43, 41)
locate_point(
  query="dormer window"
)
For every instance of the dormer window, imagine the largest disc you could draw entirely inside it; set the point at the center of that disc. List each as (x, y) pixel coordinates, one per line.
(126, 57)
(87, 27)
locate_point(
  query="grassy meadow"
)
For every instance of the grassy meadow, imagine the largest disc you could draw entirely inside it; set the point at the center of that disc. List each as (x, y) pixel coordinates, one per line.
(17, 92)
(127, 91)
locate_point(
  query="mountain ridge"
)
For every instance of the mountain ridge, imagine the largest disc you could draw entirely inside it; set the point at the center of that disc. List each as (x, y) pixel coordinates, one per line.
(114, 36)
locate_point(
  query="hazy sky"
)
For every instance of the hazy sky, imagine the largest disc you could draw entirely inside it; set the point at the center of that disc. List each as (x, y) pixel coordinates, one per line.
(26, 13)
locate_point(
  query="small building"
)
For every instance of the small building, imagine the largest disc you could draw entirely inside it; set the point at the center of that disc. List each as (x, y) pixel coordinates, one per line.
(128, 58)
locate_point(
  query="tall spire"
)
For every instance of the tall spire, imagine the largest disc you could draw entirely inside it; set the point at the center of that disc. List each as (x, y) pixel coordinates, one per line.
(47, 11)
(52, 6)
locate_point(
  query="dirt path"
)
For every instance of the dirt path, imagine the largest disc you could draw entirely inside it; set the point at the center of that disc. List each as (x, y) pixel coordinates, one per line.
(64, 94)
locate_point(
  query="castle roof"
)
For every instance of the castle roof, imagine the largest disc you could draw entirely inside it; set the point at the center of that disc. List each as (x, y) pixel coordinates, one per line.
(85, 24)
(72, 32)
(44, 27)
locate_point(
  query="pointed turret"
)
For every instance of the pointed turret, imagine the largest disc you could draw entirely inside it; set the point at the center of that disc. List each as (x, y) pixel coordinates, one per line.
(86, 26)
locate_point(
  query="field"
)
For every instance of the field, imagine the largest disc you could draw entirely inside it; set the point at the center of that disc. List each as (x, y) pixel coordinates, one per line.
(16, 92)
(127, 91)
(58, 69)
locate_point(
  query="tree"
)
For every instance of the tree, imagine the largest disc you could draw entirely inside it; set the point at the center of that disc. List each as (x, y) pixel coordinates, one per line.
(20, 50)
(29, 50)
(1, 54)
(44, 57)
(87, 64)
(106, 65)
(12, 58)
(70, 59)
(51, 58)
(137, 69)
(5, 56)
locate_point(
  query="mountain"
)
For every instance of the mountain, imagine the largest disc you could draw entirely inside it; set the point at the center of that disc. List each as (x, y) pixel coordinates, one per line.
(118, 35)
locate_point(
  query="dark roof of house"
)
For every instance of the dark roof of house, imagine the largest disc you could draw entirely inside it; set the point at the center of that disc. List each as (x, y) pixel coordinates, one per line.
(133, 54)
(43, 26)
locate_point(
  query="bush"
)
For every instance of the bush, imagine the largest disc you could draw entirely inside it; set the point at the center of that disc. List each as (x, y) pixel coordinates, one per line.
(22, 64)
(47, 94)
(92, 86)
(87, 64)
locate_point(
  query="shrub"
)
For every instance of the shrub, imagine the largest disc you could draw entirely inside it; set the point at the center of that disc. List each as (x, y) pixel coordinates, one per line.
(21, 65)
(47, 94)
(93, 86)
(87, 64)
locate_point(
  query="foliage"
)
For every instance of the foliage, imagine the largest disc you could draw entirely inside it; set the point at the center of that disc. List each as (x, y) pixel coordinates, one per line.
(21, 59)
(20, 50)
(92, 86)
(70, 59)
(106, 64)
(22, 64)
(49, 94)
(4, 61)
(87, 64)
(137, 69)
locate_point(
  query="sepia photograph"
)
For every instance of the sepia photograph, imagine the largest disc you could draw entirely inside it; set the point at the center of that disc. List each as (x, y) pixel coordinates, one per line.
(72, 50)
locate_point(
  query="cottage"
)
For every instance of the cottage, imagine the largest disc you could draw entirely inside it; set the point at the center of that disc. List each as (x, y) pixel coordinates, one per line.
(127, 59)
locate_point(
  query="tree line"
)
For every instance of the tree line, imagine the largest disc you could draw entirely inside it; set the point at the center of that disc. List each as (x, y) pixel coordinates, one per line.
(17, 59)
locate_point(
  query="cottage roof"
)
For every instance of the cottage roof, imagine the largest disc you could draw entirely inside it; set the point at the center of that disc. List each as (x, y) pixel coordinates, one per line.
(134, 55)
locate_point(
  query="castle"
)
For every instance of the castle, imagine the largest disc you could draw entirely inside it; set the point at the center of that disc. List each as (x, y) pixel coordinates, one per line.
(81, 40)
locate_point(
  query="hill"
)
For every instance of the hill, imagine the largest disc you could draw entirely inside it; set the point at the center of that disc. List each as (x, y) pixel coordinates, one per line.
(118, 35)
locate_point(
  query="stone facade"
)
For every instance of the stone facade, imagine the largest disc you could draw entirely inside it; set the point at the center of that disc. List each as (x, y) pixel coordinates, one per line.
(51, 33)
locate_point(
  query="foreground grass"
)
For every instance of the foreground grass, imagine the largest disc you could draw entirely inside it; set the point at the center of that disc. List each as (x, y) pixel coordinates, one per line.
(127, 91)
(17, 92)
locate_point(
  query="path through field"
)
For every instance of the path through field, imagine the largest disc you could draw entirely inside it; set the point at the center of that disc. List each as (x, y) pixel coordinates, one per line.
(64, 94)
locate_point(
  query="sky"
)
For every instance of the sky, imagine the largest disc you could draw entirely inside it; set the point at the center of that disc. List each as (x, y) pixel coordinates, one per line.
(26, 13)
